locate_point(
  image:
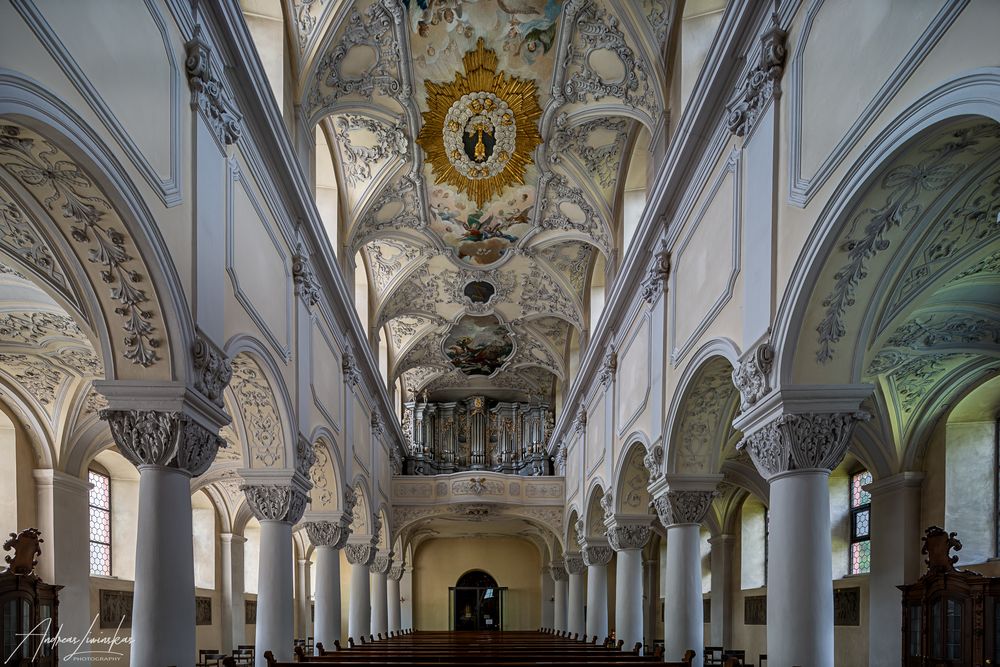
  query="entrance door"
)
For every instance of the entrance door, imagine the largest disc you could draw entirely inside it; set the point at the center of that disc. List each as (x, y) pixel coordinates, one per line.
(476, 602)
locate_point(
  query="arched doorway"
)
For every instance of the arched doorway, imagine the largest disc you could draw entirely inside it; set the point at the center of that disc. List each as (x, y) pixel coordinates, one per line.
(476, 602)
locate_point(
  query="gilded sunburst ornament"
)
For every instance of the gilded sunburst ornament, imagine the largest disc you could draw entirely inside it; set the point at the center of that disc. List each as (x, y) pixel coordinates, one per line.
(481, 129)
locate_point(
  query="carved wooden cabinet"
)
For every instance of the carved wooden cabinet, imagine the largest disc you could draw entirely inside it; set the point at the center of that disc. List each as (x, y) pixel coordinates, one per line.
(29, 607)
(949, 615)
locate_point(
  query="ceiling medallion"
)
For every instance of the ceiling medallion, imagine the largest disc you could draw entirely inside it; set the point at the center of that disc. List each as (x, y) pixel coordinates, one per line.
(481, 128)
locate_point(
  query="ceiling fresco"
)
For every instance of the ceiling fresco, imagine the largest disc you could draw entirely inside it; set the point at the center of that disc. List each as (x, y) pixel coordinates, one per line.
(481, 150)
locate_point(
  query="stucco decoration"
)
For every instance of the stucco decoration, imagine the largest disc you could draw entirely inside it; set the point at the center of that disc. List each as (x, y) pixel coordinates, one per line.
(704, 417)
(675, 507)
(328, 533)
(366, 143)
(95, 232)
(597, 555)
(751, 376)
(628, 536)
(381, 563)
(657, 275)
(276, 502)
(761, 84)
(259, 412)
(360, 554)
(208, 92)
(212, 370)
(306, 285)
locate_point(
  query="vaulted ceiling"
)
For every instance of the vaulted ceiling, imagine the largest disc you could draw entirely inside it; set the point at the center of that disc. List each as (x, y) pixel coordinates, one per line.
(481, 150)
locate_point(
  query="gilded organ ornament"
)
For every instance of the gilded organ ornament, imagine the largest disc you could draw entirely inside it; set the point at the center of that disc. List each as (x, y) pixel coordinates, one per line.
(480, 130)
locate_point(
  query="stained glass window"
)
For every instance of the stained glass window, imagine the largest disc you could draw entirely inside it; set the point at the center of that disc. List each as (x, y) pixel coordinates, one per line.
(100, 523)
(861, 515)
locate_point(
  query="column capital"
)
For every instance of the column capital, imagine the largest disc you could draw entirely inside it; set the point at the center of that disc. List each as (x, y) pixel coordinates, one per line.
(171, 439)
(276, 502)
(362, 554)
(557, 570)
(801, 441)
(675, 507)
(396, 571)
(574, 563)
(232, 538)
(328, 533)
(622, 536)
(597, 554)
(381, 563)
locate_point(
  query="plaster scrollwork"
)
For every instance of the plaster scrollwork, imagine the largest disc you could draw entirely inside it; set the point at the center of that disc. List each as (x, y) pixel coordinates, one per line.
(402, 194)
(350, 501)
(658, 15)
(580, 421)
(55, 179)
(305, 19)
(601, 160)
(395, 461)
(305, 457)
(609, 367)
(275, 502)
(419, 293)
(761, 84)
(575, 564)
(378, 428)
(19, 237)
(653, 462)
(172, 439)
(35, 374)
(389, 141)
(751, 376)
(207, 92)
(259, 410)
(657, 275)
(597, 555)
(554, 204)
(212, 370)
(607, 502)
(560, 459)
(597, 29)
(327, 533)
(352, 374)
(683, 506)
(628, 536)
(360, 554)
(303, 277)
(373, 29)
(573, 261)
(801, 441)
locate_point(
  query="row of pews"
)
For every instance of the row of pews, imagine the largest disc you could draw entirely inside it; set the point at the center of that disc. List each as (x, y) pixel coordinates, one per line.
(483, 649)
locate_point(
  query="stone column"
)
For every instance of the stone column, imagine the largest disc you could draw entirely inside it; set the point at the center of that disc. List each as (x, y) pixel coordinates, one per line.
(406, 598)
(64, 520)
(380, 593)
(392, 591)
(559, 576)
(574, 607)
(681, 510)
(303, 604)
(651, 603)
(168, 448)
(597, 557)
(628, 539)
(895, 534)
(328, 537)
(795, 451)
(722, 581)
(548, 597)
(233, 618)
(360, 556)
(277, 506)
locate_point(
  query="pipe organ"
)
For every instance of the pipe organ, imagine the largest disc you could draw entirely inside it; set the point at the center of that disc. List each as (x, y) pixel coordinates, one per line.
(477, 434)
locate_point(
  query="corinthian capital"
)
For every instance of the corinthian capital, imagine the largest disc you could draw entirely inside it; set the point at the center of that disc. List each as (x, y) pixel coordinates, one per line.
(575, 564)
(360, 554)
(557, 569)
(801, 441)
(396, 571)
(276, 502)
(156, 437)
(381, 562)
(599, 554)
(328, 533)
(683, 506)
(628, 536)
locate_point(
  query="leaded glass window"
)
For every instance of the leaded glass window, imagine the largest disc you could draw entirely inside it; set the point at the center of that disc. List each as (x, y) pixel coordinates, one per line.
(861, 516)
(100, 523)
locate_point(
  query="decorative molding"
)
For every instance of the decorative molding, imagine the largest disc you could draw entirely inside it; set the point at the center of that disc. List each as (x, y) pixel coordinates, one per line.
(360, 554)
(396, 571)
(557, 570)
(597, 555)
(212, 370)
(574, 563)
(275, 502)
(657, 275)
(761, 84)
(653, 462)
(259, 410)
(381, 563)
(751, 376)
(608, 368)
(153, 437)
(801, 441)
(208, 93)
(352, 375)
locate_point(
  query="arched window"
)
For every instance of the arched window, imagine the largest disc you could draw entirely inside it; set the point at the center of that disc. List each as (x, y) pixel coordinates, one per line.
(100, 523)
(861, 515)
